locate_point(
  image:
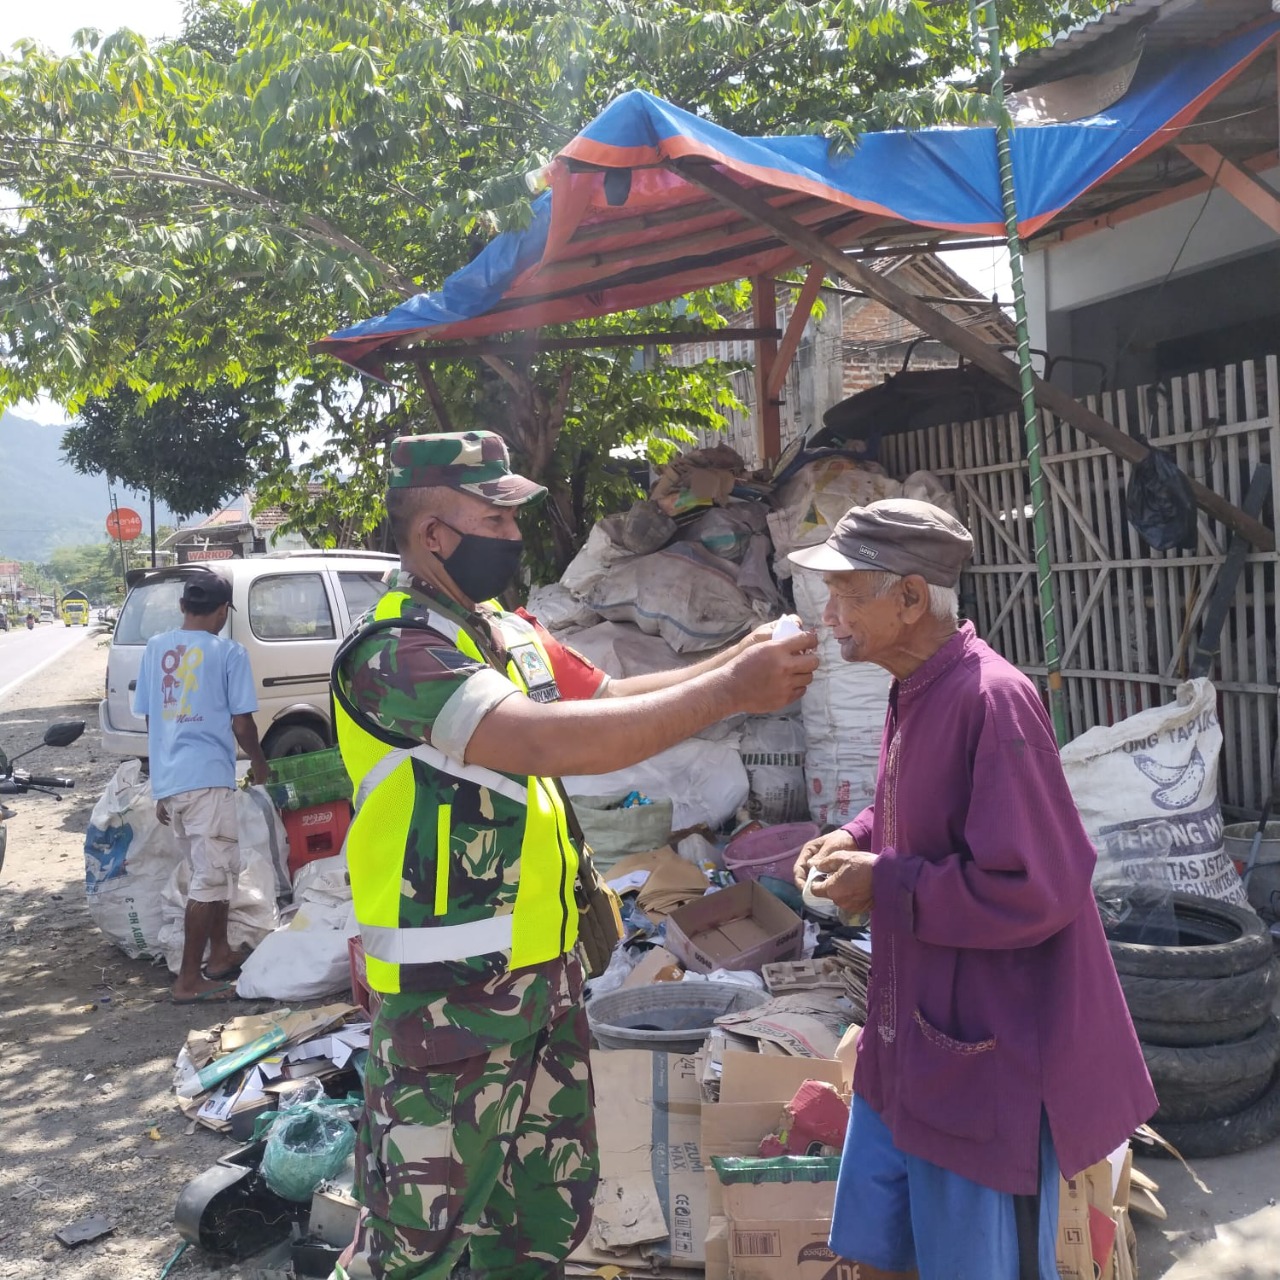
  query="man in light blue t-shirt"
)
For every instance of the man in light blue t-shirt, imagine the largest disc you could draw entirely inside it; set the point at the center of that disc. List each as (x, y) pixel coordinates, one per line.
(197, 692)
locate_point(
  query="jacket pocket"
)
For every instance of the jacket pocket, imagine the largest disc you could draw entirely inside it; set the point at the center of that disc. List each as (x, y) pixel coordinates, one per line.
(951, 1085)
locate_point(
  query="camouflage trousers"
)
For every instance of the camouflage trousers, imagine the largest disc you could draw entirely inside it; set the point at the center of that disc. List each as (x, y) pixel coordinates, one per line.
(495, 1154)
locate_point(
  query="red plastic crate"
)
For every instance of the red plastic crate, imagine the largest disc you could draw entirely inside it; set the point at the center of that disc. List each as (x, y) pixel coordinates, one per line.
(317, 832)
(361, 993)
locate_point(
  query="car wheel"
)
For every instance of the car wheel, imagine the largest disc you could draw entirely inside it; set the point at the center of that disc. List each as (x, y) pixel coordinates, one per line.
(294, 740)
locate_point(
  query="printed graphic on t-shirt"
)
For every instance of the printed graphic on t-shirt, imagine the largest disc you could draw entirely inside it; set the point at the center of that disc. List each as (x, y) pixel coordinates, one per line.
(179, 683)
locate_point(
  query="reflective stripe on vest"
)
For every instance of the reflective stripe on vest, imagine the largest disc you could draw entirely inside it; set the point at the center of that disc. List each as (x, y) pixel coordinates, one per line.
(483, 777)
(541, 924)
(430, 946)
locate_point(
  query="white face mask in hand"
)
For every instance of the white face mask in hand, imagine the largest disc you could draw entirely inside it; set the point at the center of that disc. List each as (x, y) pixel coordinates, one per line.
(786, 626)
(819, 906)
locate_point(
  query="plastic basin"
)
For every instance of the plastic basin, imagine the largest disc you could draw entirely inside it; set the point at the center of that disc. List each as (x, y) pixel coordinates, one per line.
(770, 851)
(666, 1017)
(1237, 840)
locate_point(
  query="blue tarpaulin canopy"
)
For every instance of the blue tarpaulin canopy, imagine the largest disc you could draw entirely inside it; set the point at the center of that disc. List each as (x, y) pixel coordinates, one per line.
(620, 227)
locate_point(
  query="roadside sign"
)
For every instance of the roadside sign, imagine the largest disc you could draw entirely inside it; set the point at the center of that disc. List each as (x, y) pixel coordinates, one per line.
(124, 523)
(202, 555)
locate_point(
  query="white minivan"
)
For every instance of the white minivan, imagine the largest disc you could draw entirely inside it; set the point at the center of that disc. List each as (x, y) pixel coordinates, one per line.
(292, 609)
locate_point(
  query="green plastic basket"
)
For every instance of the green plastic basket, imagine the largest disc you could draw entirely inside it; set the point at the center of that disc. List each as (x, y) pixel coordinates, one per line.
(318, 777)
(758, 1169)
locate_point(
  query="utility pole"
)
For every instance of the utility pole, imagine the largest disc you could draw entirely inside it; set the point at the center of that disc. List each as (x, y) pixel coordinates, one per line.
(1030, 416)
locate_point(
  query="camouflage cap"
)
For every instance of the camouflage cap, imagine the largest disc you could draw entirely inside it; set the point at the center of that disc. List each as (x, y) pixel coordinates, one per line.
(474, 462)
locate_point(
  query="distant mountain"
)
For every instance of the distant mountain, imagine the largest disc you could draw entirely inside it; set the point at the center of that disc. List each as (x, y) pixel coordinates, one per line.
(44, 503)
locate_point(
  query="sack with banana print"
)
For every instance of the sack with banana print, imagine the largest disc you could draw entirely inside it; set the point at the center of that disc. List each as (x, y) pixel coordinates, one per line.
(1147, 791)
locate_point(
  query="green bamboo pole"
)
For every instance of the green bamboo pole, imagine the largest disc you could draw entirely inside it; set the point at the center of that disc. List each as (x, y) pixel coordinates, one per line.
(1030, 417)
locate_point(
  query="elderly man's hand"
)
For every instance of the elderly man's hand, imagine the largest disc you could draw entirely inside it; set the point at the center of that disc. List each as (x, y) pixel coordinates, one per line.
(848, 879)
(832, 842)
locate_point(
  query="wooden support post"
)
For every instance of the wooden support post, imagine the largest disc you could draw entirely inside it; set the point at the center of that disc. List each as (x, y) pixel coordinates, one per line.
(805, 299)
(960, 340)
(1238, 183)
(764, 310)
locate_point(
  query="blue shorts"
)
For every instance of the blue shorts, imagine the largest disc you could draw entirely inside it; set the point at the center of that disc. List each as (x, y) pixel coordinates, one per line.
(901, 1213)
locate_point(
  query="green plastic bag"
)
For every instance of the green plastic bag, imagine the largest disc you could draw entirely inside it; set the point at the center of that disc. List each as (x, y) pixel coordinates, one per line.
(307, 1144)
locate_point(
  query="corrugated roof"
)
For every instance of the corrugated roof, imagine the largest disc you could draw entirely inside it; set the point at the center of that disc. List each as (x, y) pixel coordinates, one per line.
(1159, 24)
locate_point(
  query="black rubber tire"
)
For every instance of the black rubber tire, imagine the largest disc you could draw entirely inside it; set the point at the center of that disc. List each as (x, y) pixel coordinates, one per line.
(1217, 940)
(1208, 1066)
(1242, 1131)
(1193, 1034)
(293, 740)
(1183, 1106)
(1200, 999)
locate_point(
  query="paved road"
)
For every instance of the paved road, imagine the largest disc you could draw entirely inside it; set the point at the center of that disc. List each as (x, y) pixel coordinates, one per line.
(24, 652)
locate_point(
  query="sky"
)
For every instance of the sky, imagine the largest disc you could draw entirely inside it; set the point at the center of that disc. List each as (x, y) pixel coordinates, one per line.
(52, 23)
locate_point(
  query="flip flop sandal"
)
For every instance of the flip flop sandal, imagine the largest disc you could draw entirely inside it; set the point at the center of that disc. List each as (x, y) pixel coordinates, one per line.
(224, 992)
(223, 974)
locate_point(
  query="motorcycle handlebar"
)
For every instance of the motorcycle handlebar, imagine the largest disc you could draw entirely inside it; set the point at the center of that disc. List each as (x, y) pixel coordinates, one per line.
(39, 780)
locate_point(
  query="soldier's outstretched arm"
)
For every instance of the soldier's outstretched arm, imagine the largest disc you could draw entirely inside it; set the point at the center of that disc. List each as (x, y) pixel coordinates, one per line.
(654, 681)
(550, 739)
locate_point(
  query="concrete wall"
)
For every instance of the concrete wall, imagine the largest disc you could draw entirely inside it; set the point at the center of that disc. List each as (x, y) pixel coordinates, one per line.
(1129, 295)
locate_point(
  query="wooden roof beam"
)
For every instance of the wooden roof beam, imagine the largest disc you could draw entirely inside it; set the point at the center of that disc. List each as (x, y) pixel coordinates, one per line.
(690, 212)
(1149, 204)
(518, 349)
(795, 329)
(710, 239)
(1241, 185)
(959, 339)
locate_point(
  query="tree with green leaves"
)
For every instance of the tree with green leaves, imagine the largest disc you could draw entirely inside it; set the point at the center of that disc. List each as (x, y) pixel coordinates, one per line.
(192, 213)
(189, 450)
(93, 568)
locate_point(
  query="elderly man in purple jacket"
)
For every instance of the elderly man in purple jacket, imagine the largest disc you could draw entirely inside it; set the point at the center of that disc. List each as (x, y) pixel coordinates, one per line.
(998, 1048)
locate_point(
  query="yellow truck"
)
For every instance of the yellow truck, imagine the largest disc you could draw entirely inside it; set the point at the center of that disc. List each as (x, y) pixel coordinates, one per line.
(75, 609)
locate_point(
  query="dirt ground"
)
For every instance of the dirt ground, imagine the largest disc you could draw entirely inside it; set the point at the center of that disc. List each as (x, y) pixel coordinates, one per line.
(88, 1038)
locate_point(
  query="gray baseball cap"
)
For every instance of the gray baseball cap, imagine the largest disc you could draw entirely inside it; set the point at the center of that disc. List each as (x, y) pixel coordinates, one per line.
(895, 535)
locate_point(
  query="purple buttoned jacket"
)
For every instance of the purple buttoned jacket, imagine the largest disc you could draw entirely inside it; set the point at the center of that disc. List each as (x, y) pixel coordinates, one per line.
(992, 994)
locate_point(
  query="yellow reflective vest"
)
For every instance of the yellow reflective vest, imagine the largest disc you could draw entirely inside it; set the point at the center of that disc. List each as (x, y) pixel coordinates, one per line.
(458, 873)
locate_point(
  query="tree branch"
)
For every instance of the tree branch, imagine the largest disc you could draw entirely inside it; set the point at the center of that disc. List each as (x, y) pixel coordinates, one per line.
(313, 222)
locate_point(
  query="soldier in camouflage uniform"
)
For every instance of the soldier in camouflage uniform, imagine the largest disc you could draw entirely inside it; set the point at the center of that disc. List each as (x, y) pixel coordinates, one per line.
(454, 718)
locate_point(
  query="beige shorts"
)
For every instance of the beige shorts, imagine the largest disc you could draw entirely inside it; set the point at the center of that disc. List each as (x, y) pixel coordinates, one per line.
(204, 824)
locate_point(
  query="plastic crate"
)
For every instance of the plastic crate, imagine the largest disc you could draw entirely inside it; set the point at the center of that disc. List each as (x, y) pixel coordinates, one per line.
(315, 832)
(300, 782)
(361, 993)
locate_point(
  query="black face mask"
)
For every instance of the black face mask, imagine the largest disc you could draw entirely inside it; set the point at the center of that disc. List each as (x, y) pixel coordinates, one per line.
(482, 567)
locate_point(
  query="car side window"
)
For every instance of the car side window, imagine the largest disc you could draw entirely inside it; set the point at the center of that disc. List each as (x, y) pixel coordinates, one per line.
(290, 606)
(361, 590)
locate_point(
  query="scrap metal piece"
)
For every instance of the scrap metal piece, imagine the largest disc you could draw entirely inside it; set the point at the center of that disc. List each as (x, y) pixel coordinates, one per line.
(83, 1230)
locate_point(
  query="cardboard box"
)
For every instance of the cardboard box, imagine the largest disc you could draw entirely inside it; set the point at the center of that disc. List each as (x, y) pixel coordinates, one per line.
(1086, 1227)
(717, 1249)
(741, 927)
(780, 1201)
(656, 965)
(778, 1249)
(754, 1091)
(651, 1206)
